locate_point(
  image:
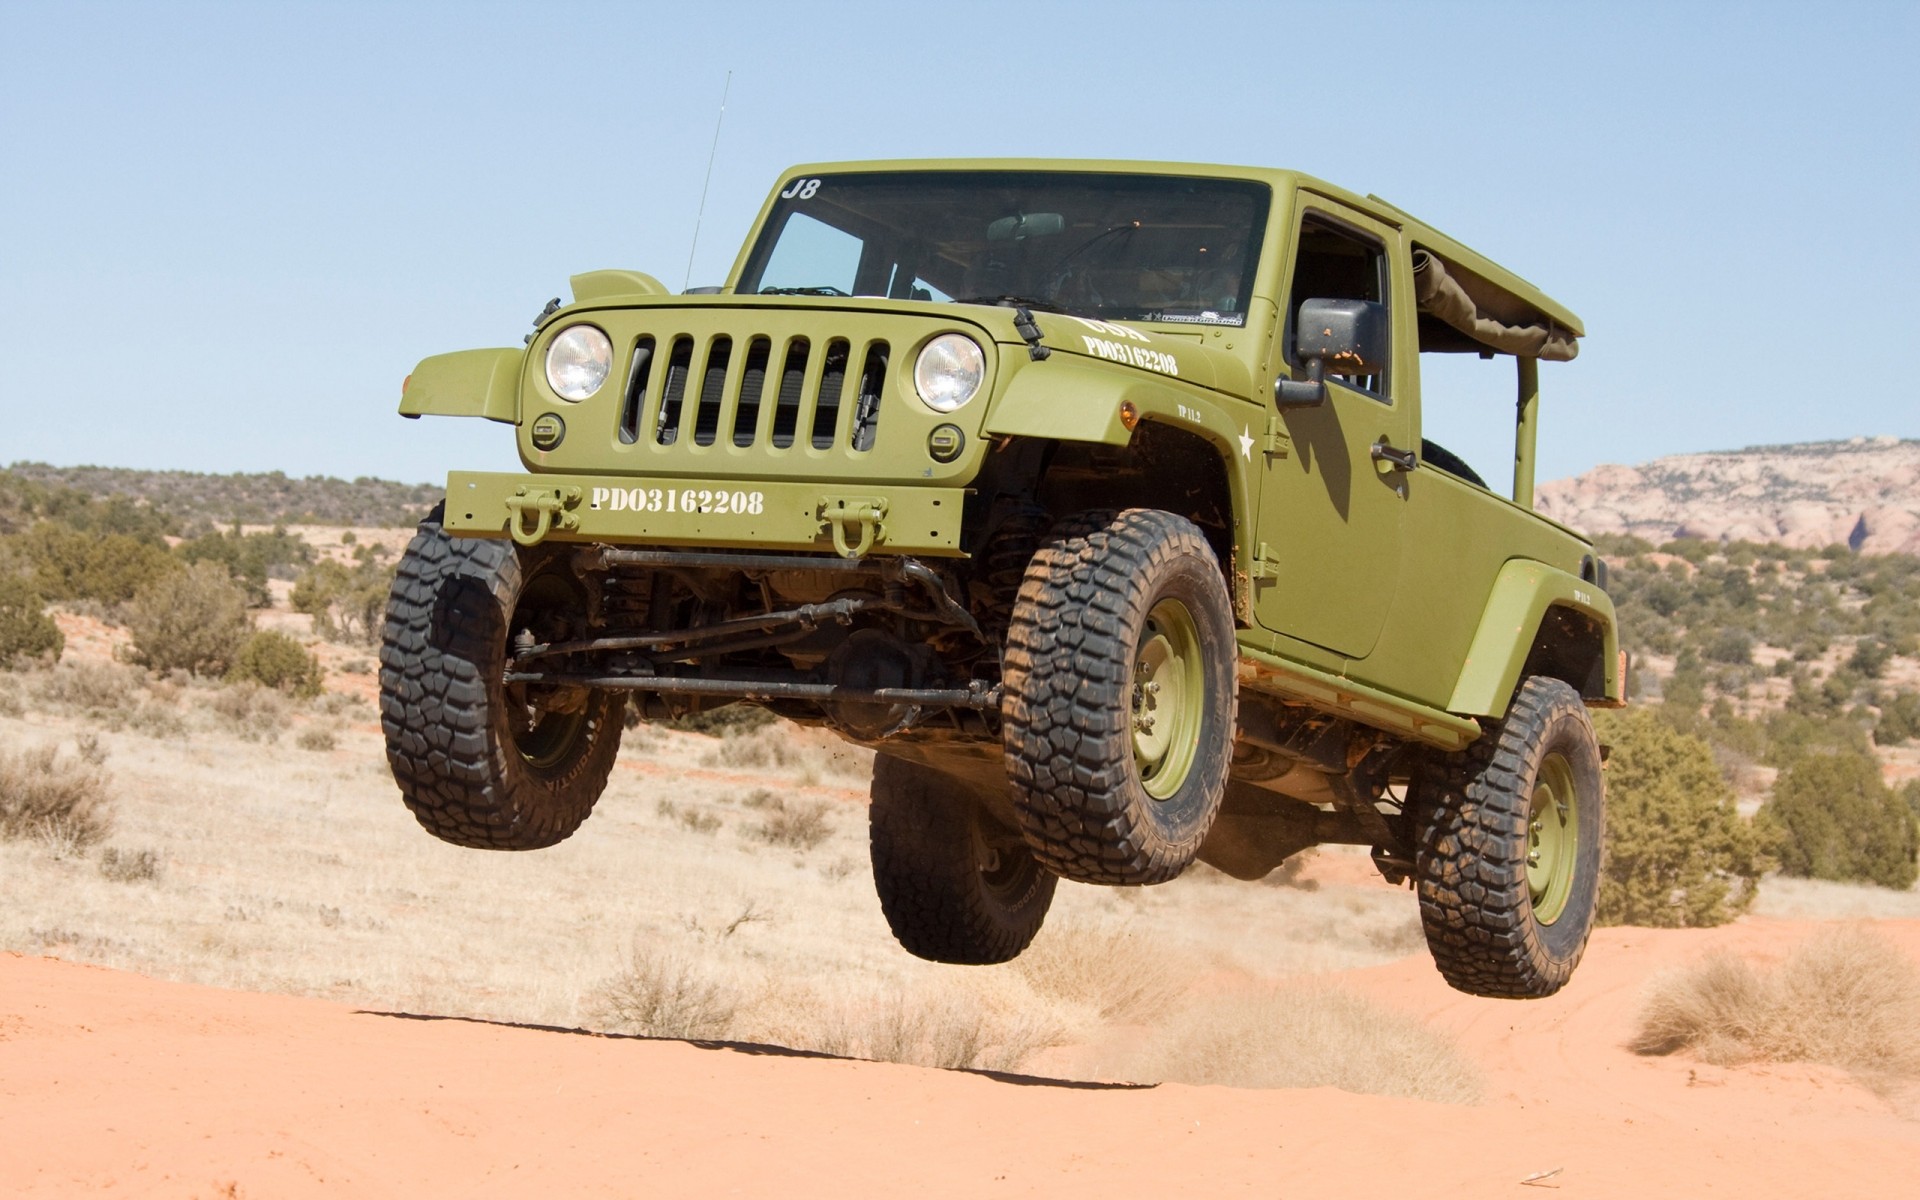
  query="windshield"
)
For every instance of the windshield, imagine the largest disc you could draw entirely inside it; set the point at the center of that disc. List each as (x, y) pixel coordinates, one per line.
(1126, 247)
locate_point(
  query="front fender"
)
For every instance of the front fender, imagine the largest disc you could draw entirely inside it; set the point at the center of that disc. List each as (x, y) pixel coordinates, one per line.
(466, 383)
(1523, 593)
(1074, 400)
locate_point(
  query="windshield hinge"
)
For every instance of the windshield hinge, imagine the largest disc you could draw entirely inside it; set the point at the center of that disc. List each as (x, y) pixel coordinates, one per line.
(1029, 333)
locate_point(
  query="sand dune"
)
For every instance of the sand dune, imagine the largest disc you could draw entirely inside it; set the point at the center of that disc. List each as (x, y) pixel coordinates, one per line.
(117, 1085)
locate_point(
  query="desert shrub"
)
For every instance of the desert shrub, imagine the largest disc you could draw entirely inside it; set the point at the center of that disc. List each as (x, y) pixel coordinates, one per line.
(256, 713)
(248, 557)
(129, 866)
(1796, 733)
(953, 1029)
(661, 995)
(1301, 1037)
(798, 824)
(346, 603)
(1677, 852)
(1899, 719)
(1845, 997)
(69, 564)
(193, 620)
(26, 631)
(1837, 820)
(694, 820)
(317, 738)
(61, 799)
(1870, 658)
(95, 689)
(757, 746)
(272, 659)
(156, 719)
(736, 718)
(1109, 969)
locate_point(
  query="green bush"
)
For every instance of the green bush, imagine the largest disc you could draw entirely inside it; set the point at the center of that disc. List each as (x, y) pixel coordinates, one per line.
(248, 557)
(193, 620)
(1899, 719)
(274, 660)
(26, 631)
(1836, 819)
(1677, 853)
(69, 564)
(346, 603)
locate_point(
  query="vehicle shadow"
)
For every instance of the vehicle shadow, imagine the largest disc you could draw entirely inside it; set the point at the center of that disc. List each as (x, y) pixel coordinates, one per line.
(765, 1049)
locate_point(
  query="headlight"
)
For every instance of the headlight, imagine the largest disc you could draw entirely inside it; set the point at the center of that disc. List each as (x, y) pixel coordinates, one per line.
(578, 361)
(949, 371)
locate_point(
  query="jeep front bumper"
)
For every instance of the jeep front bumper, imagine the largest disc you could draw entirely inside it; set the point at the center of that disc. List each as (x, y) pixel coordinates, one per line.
(750, 514)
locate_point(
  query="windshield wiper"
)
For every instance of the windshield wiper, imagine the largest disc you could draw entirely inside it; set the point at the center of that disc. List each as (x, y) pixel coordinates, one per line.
(1013, 302)
(822, 290)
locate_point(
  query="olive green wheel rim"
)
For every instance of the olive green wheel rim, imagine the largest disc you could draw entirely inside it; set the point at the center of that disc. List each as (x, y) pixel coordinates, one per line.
(1553, 838)
(1169, 699)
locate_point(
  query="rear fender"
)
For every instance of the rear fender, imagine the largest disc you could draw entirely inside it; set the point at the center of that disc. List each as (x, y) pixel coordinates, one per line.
(1525, 594)
(467, 383)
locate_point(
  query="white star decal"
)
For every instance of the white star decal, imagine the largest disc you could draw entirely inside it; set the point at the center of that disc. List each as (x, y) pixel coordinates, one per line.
(1246, 443)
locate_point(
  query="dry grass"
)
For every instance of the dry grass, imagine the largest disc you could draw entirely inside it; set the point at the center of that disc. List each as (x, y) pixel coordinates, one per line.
(278, 870)
(63, 802)
(812, 756)
(665, 995)
(796, 824)
(1300, 1037)
(89, 688)
(1114, 970)
(957, 1019)
(1845, 997)
(252, 712)
(1824, 900)
(129, 866)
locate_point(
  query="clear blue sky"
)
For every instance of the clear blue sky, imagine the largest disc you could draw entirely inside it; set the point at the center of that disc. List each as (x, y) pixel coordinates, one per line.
(227, 231)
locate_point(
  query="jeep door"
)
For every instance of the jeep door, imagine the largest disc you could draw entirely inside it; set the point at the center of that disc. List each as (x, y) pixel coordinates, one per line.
(1330, 519)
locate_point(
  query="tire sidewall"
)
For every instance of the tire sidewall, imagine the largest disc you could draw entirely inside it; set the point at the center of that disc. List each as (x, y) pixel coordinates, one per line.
(1182, 820)
(1569, 733)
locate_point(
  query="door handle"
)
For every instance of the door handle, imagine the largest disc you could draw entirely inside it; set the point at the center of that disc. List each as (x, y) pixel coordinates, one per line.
(1386, 458)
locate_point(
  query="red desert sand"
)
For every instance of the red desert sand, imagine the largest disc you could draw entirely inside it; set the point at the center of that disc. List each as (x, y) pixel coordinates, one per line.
(112, 1084)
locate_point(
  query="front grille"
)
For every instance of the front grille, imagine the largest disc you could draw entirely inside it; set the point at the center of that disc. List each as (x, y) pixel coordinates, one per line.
(710, 387)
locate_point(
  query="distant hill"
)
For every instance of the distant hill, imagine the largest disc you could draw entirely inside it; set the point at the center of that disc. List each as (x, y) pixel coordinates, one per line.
(1863, 494)
(261, 499)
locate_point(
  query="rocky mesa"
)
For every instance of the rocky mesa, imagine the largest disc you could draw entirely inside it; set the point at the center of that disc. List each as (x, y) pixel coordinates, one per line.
(1863, 493)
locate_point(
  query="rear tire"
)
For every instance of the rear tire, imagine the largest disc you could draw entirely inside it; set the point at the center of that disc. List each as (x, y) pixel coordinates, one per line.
(956, 885)
(1507, 847)
(1118, 712)
(479, 763)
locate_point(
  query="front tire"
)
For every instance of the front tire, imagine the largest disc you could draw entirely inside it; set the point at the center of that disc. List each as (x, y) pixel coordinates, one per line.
(1507, 848)
(1118, 712)
(481, 763)
(956, 885)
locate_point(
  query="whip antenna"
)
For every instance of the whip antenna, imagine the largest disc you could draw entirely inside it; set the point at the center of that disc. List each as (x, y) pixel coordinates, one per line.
(714, 150)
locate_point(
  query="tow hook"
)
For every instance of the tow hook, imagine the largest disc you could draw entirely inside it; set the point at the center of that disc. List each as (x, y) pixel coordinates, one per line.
(548, 507)
(854, 522)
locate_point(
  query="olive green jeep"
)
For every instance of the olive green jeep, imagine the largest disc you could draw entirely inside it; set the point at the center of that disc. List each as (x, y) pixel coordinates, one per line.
(1093, 496)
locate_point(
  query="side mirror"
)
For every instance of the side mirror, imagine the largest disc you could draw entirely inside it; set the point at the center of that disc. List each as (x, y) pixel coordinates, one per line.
(1348, 337)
